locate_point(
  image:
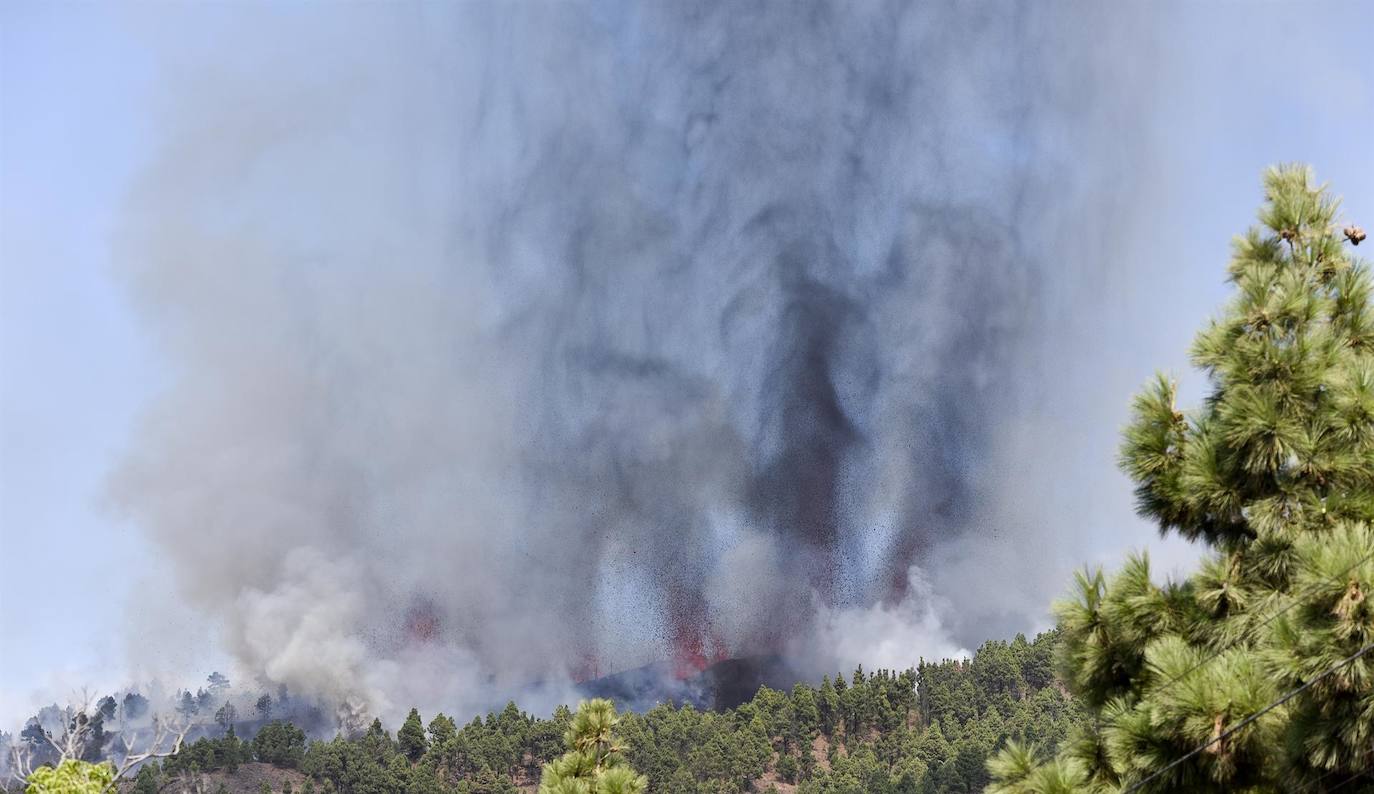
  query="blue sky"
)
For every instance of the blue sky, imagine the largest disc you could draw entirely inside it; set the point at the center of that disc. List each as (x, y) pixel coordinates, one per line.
(73, 369)
(1244, 86)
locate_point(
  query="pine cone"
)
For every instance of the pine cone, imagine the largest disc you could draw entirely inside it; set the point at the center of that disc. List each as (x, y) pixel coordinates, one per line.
(1354, 234)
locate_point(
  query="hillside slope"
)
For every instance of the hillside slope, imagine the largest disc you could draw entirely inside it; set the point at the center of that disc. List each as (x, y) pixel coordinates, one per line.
(927, 729)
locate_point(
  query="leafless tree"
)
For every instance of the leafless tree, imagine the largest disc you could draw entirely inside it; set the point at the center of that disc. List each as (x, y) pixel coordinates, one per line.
(166, 738)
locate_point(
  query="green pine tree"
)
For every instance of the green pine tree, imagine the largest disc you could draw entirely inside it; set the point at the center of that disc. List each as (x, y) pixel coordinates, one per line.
(411, 737)
(148, 780)
(1275, 474)
(595, 761)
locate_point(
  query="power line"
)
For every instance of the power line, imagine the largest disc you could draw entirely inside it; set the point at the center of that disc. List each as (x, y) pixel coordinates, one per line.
(1252, 629)
(1229, 731)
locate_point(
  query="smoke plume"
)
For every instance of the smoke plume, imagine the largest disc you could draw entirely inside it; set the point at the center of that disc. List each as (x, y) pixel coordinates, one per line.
(514, 343)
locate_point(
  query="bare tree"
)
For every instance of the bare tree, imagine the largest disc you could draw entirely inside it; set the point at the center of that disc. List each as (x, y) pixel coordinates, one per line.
(79, 730)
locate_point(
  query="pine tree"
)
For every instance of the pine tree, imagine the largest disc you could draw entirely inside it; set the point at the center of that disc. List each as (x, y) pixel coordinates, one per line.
(441, 729)
(1275, 474)
(411, 737)
(377, 742)
(828, 704)
(595, 761)
(806, 717)
(147, 781)
(226, 715)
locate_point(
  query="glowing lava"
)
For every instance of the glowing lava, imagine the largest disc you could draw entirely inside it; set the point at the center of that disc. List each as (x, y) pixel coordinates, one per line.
(422, 623)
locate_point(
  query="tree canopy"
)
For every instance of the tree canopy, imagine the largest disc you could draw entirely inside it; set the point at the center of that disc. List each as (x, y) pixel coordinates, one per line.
(595, 761)
(72, 776)
(1254, 672)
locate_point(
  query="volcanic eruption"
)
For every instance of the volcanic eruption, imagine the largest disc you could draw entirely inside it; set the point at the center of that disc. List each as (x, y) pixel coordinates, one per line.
(519, 343)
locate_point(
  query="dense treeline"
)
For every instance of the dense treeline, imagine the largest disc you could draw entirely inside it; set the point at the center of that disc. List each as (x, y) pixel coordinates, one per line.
(928, 729)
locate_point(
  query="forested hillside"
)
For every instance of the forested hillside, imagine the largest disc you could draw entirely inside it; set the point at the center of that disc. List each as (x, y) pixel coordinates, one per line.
(929, 729)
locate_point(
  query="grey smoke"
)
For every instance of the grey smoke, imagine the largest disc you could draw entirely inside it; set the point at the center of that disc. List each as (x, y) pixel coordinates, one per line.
(509, 341)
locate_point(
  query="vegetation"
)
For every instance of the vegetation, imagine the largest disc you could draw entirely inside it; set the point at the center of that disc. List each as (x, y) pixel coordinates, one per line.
(595, 761)
(72, 776)
(69, 759)
(1254, 674)
(929, 729)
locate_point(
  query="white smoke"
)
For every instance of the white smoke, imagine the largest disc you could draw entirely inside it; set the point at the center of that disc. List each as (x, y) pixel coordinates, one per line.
(882, 635)
(297, 632)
